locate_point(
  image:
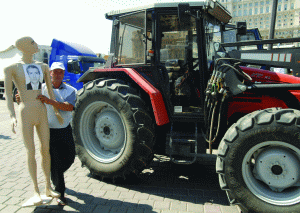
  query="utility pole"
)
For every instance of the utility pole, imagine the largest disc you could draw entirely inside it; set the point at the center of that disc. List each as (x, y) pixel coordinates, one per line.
(273, 22)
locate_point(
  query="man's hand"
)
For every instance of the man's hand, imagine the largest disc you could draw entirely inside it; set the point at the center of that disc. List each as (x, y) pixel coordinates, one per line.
(45, 100)
(18, 99)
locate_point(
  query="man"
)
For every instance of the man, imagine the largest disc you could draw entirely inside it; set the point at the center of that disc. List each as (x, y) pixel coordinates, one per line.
(62, 147)
(34, 75)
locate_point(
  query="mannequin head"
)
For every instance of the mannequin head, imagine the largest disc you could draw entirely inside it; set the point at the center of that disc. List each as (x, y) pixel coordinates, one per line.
(27, 45)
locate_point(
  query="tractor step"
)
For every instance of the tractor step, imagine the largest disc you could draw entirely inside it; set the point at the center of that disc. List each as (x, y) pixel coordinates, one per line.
(183, 139)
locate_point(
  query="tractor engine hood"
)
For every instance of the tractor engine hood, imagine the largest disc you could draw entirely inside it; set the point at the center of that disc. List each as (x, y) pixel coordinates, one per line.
(264, 76)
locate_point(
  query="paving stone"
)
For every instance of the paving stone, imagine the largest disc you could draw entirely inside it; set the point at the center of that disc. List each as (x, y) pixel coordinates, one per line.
(10, 209)
(155, 197)
(111, 194)
(17, 193)
(102, 209)
(126, 195)
(146, 204)
(161, 205)
(141, 196)
(14, 201)
(191, 207)
(178, 206)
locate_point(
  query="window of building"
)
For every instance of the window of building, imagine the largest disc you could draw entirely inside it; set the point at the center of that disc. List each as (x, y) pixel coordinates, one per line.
(256, 11)
(279, 17)
(245, 5)
(291, 23)
(250, 12)
(262, 3)
(240, 13)
(267, 2)
(279, 1)
(245, 12)
(250, 4)
(267, 26)
(267, 10)
(256, 3)
(250, 24)
(234, 14)
(292, 6)
(279, 25)
(279, 7)
(261, 10)
(285, 6)
(240, 6)
(234, 7)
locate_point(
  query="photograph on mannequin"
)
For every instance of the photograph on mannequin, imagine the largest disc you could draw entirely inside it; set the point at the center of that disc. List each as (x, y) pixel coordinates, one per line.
(34, 79)
(32, 113)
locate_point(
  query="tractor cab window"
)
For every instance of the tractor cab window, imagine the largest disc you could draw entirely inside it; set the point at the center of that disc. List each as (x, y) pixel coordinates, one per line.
(130, 40)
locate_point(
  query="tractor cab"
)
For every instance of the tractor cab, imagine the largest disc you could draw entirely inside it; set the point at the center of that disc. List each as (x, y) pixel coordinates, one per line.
(172, 46)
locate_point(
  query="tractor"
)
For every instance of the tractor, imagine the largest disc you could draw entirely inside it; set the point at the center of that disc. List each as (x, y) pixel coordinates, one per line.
(171, 86)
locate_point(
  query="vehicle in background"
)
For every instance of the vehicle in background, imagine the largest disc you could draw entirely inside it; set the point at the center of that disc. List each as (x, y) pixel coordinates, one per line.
(76, 58)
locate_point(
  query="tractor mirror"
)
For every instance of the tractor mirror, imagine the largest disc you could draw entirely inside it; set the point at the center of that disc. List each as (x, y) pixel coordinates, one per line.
(184, 15)
(241, 28)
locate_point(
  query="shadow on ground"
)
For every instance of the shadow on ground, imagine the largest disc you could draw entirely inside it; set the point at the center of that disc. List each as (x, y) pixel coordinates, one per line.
(191, 183)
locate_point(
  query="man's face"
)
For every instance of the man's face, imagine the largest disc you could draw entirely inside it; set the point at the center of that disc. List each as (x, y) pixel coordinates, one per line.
(57, 75)
(34, 75)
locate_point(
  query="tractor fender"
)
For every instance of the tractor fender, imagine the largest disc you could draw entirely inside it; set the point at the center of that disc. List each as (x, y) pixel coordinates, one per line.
(157, 102)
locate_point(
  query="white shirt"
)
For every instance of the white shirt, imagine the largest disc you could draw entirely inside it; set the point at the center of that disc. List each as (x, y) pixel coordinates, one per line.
(65, 93)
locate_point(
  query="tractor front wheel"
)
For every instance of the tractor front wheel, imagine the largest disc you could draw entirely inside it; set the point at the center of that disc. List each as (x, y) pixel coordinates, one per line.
(112, 129)
(259, 160)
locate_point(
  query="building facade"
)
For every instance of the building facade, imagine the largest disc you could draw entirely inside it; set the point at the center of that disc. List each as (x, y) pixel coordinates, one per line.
(257, 14)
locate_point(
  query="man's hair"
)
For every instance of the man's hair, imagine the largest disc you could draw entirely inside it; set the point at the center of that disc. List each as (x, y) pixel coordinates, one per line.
(32, 67)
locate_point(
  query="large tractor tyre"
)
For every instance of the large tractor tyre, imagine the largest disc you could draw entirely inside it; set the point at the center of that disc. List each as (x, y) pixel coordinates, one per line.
(113, 131)
(259, 159)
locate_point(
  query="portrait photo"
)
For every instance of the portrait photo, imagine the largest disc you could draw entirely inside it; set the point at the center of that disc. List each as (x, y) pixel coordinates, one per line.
(34, 76)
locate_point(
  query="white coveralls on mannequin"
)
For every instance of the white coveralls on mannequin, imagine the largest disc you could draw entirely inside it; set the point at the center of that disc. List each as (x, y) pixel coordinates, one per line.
(32, 112)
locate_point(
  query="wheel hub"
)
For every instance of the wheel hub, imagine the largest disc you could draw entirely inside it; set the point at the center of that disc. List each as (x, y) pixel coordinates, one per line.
(278, 168)
(109, 130)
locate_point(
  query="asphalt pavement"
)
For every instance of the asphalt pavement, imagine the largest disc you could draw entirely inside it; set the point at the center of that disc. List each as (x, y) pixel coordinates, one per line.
(162, 188)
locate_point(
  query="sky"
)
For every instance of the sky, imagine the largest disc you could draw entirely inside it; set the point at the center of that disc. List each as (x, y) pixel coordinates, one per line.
(77, 21)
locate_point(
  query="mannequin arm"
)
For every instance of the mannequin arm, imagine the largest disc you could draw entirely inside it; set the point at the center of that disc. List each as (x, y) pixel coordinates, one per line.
(51, 94)
(8, 95)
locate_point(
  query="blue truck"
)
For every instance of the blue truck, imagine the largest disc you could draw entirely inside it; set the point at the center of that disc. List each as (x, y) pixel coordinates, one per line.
(76, 58)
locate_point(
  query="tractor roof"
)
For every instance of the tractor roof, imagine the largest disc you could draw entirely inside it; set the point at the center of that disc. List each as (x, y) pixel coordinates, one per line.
(112, 13)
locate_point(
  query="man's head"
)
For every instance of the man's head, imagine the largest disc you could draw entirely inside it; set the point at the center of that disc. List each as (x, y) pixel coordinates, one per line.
(33, 73)
(27, 45)
(57, 72)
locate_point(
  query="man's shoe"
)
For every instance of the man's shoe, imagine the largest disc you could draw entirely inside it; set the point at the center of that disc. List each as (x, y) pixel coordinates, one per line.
(62, 201)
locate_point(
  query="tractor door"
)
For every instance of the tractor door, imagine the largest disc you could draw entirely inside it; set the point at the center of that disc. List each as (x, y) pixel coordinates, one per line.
(179, 55)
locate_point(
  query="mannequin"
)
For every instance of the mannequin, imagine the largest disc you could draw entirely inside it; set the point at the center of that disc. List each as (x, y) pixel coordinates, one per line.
(32, 110)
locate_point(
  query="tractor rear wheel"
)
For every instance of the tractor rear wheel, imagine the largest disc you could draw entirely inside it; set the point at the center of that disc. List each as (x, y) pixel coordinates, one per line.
(259, 159)
(113, 131)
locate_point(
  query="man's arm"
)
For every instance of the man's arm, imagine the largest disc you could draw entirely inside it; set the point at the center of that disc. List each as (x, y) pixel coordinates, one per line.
(64, 106)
